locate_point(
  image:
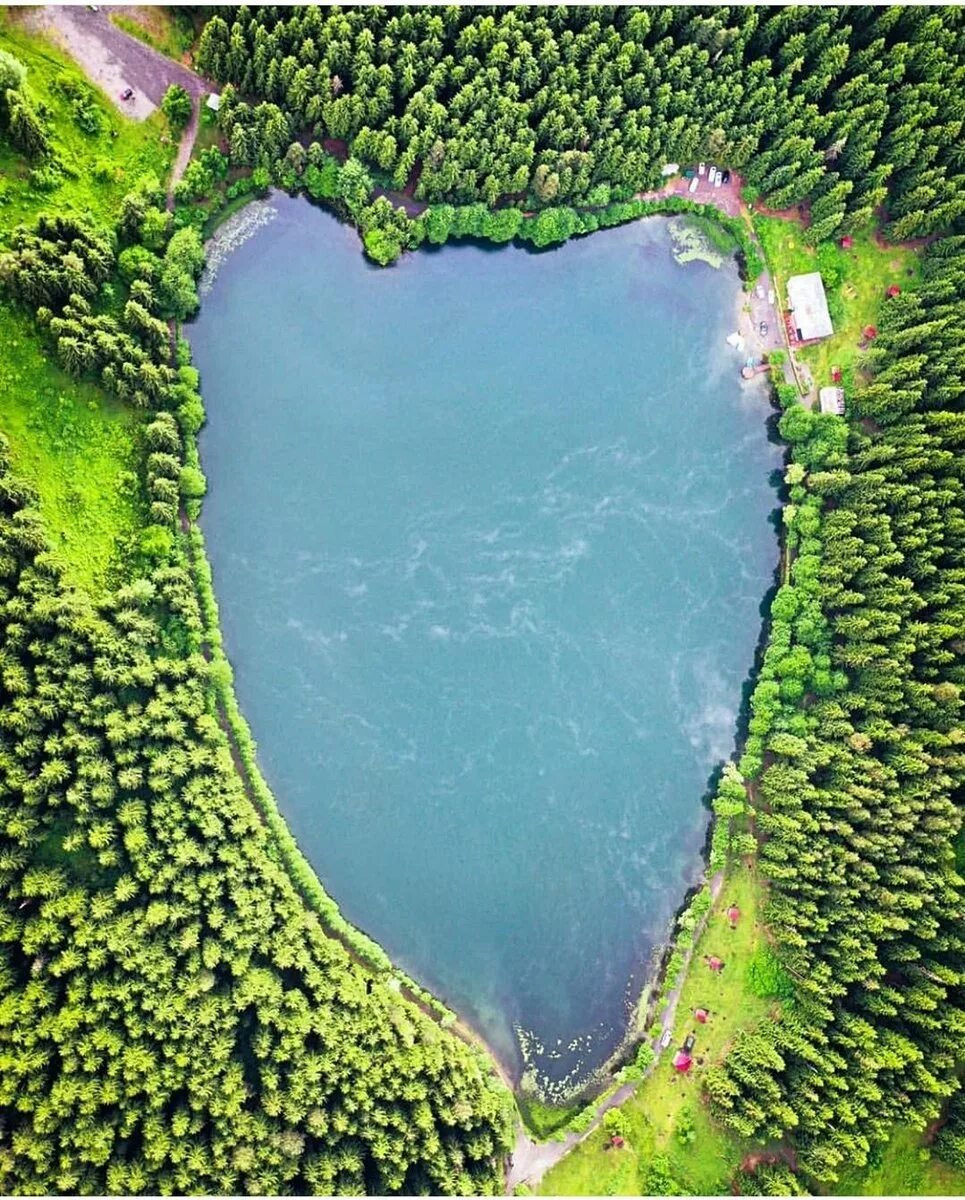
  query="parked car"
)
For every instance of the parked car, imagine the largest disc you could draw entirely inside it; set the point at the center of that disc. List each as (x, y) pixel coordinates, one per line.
(717, 178)
(127, 94)
(726, 176)
(763, 328)
(770, 295)
(693, 184)
(701, 168)
(760, 291)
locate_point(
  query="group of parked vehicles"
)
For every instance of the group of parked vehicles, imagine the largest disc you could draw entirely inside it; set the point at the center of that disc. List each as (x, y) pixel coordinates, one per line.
(715, 176)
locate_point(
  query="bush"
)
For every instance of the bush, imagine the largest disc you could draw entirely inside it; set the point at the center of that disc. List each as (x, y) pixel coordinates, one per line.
(176, 106)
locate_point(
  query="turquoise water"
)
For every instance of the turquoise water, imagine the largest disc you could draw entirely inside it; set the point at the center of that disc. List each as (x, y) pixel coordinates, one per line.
(490, 535)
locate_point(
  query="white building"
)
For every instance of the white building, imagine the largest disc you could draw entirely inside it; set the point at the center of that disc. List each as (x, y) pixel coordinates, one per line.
(809, 307)
(832, 400)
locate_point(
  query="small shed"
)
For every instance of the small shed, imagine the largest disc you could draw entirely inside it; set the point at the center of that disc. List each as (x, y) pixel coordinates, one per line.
(213, 102)
(809, 307)
(669, 169)
(832, 400)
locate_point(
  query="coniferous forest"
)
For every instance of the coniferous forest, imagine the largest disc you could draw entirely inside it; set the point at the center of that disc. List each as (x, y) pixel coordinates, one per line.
(177, 1014)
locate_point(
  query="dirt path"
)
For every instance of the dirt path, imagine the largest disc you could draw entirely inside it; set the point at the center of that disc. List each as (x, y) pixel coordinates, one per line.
(530, 1159)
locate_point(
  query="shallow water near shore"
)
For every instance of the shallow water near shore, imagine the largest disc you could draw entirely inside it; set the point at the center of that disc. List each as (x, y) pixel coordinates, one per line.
(489, 533)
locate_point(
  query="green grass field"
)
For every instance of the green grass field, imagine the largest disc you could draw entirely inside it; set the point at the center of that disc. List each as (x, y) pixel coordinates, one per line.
(866, 271)
(79, 449)
(904, 1167)
(168, 30)
(667, 1105)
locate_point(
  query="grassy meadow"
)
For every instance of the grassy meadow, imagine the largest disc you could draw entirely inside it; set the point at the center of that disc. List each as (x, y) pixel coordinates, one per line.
(78, 448)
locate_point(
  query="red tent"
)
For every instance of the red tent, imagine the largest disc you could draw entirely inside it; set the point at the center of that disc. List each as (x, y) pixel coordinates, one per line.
(682, 1061)
(847, 242)
(616, 1140)
(870, 332)
(715, 963)
(835, 374)
(701, 1015)
(733, 914)
(894, 290)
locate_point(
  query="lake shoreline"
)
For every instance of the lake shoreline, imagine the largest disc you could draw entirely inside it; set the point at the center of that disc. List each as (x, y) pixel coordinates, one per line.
(650, 974)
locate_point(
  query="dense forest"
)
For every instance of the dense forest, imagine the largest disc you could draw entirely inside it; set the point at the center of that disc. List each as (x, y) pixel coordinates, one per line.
(173, 1017)
(837, 108)
(857, 752)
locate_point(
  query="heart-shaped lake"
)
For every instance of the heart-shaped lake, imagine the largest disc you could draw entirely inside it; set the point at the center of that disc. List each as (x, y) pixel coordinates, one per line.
(490, 537)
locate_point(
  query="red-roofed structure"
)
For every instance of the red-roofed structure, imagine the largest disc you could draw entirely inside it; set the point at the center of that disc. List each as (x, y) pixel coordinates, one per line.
(870, 332)
(715, 963)
(835, 374)
(894, 290)
(682, 1061)
(701, 1015)
(733, 915)
(847, 242)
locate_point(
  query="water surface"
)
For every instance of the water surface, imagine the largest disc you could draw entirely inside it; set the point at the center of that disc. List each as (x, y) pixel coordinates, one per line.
(489, 533)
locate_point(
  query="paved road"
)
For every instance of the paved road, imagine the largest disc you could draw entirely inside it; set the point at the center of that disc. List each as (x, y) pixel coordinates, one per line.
(113, 59)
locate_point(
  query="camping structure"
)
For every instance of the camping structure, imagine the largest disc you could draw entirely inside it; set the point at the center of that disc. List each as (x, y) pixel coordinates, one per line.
(714, 962)
(893, 291)
(835, 374)
(683, 1059)
(847, 242)
(701, 1015)
(809, 307)
(832, 400)
(733, 915)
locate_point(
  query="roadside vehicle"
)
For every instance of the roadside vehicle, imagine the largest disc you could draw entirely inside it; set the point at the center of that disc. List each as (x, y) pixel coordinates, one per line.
(763, 328)
(127, 94)
(726, 176)
(760, 291)
(717, 178)
(693, 184)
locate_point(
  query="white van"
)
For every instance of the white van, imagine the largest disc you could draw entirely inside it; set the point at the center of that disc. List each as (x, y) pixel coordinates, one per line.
(693, 184)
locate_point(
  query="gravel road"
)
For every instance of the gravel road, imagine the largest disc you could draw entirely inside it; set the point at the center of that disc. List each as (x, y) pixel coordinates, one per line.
(113, 59)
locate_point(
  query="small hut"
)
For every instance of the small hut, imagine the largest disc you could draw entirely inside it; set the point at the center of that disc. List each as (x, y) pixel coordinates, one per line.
(832, 400)
(683, 1059)
(733, 915)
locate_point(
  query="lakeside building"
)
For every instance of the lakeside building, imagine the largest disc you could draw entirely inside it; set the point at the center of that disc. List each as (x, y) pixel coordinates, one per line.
(809, 307)
(832, 400)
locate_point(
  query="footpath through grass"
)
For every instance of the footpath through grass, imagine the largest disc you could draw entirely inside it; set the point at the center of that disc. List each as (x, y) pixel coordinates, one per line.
(78, 448)
(672, 1143)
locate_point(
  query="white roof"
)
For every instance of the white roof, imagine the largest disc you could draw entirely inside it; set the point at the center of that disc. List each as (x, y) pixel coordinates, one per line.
(805, 295)
(670, 168)
(832, 400)
(213, 101)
